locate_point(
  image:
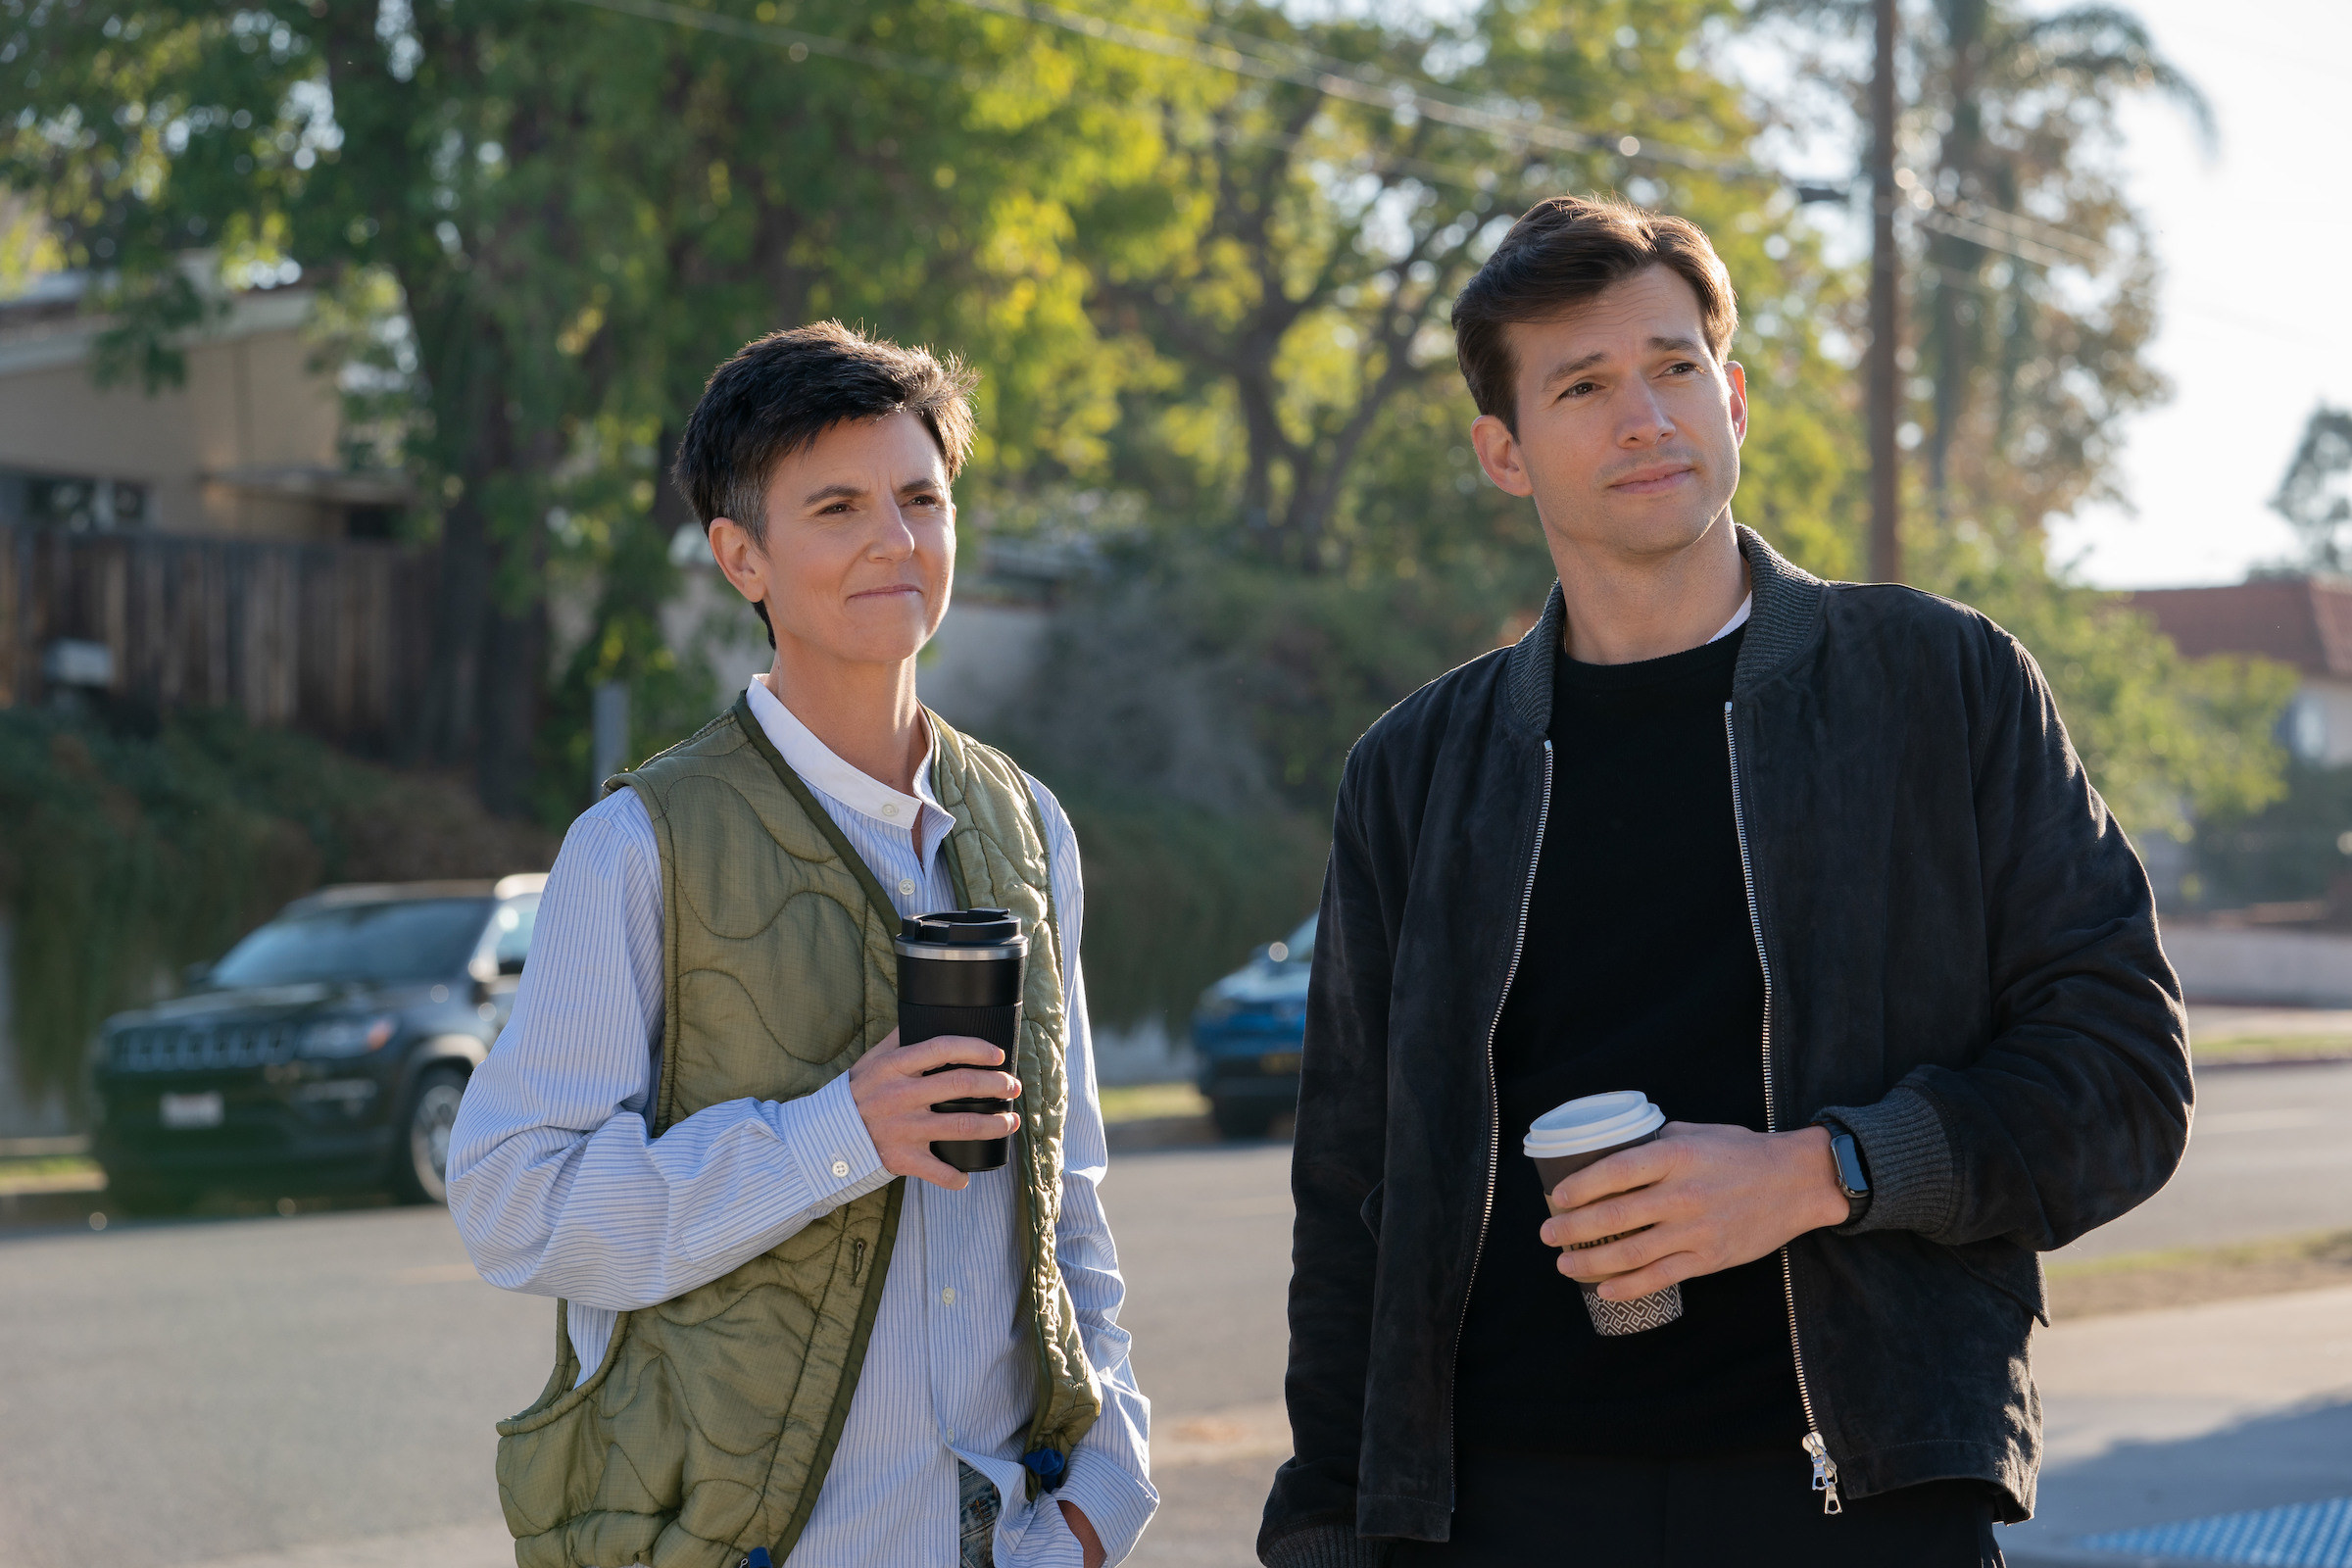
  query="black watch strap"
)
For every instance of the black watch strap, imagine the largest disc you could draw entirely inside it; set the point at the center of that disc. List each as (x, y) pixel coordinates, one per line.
(1853, 1177)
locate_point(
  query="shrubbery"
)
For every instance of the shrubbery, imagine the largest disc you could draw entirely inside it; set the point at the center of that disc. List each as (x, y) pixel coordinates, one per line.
(127, 855)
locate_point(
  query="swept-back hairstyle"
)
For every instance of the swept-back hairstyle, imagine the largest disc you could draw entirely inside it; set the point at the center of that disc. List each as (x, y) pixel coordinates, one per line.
(1561, 253)
(777, 394)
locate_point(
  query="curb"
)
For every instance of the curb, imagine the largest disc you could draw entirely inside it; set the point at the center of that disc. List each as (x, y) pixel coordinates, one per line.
(28, 1210)
(2254, 1063)
(1159, 1132)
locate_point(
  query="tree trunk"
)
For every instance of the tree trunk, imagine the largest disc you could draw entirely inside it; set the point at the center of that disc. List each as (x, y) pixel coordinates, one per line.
(1957, 261)
(1885, 390)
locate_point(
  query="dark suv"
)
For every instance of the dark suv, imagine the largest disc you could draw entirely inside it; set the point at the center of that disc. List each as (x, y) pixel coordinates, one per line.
(329, 1048)
(1248, 1030)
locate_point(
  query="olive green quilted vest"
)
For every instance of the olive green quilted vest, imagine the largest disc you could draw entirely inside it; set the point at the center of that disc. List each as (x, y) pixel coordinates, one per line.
(710, 1425)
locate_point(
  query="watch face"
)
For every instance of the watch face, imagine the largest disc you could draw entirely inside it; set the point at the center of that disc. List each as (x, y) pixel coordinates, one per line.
(1849, 1160)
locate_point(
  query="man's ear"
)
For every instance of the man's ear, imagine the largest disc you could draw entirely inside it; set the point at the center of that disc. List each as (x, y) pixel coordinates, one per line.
(1736, 374)
(1499, 453)
(739, 557)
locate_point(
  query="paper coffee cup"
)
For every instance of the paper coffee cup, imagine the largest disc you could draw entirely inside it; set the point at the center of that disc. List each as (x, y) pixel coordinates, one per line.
(1584, 1132)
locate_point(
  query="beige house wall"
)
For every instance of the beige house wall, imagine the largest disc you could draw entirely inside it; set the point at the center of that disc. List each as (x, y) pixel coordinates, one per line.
(251, 401)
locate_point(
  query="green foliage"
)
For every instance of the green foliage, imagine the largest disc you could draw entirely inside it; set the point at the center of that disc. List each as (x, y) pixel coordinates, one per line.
(561, 217)
(2167, 741)
(2296, 849)
(128, 857)
(1177, 896)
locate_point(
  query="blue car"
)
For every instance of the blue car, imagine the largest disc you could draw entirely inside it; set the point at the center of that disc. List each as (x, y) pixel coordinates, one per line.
(1247, 1031)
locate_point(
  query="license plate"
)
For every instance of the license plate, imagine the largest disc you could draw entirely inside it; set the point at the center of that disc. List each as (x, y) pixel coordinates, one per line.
(1279, 1061)
(185, 1111)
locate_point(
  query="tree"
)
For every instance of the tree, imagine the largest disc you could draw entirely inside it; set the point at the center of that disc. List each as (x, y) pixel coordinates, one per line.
(1297, 286)
(2031, 276)
(561, 216)
(2314, 497)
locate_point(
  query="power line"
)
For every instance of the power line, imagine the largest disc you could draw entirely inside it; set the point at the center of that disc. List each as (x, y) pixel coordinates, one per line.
(1364, 85)
(1263, 59)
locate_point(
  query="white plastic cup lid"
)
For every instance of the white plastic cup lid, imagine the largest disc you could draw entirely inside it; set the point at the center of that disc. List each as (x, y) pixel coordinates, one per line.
(1596, 1121)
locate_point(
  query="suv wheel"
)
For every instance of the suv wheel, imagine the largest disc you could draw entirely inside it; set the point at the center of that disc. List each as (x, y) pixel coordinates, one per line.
(420, 1160)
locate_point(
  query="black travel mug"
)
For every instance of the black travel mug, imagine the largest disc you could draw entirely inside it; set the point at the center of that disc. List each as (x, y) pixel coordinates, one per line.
(959, 973)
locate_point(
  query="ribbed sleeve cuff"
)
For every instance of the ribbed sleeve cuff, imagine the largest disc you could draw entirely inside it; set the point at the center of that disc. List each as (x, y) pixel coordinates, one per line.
(1914, 1180)
(1324, 1547)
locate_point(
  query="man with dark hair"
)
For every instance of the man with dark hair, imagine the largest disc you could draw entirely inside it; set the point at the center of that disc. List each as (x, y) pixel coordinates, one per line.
(693, 1130)
(1813, 866)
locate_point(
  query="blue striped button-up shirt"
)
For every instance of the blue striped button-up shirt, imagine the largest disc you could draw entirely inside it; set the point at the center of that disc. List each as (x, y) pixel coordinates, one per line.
(559, 1190)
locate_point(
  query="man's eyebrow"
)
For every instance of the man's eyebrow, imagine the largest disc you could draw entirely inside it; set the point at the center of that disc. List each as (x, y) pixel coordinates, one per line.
(1568, 368)
(834, 492)
(1657, 345)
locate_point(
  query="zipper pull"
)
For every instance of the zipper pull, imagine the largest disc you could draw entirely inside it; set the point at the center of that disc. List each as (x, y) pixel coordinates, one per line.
(1825, 1473)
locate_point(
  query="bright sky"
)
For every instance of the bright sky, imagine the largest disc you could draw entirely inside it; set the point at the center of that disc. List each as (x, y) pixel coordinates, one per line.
(2256, 323)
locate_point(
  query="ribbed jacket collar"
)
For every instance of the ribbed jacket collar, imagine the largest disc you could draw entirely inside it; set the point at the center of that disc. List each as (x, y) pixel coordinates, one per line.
(1787, 610)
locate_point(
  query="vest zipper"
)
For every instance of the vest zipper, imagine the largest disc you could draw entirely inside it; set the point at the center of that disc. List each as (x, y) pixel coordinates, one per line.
(1824, 1468)
(857, 1258)
(1527, 899)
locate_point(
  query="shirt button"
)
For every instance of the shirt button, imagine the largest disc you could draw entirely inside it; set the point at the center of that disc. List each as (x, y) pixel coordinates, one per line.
(890, 808)
(841, 1168)
(906, 886)
(947, 1296)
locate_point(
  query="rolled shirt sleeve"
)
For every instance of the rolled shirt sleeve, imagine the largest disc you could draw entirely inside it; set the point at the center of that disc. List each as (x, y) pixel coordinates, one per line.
(556, 1184)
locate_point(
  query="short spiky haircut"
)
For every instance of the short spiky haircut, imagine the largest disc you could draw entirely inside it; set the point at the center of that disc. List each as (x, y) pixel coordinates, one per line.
(777, 394)
(1561, 253)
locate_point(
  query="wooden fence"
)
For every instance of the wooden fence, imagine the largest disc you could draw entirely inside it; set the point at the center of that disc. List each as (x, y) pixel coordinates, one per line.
(327, 638)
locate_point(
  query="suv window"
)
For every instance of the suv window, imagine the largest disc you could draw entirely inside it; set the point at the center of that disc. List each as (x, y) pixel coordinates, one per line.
(410, 938)
(511, 932)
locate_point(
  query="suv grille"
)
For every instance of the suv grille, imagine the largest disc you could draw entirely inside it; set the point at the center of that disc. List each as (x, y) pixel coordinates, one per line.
(174, 1048)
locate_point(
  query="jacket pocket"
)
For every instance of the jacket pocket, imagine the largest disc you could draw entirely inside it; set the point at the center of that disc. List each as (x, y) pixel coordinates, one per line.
(2011, 1269)
(1370, 1212)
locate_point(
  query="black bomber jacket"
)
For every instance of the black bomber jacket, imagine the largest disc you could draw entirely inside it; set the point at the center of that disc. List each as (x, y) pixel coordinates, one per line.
(1961, 969)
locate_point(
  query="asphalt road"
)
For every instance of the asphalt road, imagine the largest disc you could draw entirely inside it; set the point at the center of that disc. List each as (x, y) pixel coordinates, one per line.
(2270, 1154)
(317, 1392)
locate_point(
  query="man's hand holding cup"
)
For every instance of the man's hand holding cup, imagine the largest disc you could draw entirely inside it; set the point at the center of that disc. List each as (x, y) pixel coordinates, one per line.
(894, 1098)
(1698, 1198)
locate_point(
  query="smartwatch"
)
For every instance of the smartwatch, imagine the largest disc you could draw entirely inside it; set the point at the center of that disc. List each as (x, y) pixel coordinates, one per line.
(1853, 1179)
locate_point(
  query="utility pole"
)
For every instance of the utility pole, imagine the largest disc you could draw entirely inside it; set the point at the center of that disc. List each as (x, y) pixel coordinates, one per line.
(1884, 387)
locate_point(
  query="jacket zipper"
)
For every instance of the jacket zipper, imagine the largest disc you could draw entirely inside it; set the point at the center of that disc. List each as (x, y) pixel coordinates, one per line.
(1527, 901)
(1824, 1468)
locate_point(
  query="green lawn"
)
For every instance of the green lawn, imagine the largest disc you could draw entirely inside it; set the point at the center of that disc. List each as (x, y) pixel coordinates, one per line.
(2183, 1275)
(1150, 1102)
(2273, 1047)
(54, 1173)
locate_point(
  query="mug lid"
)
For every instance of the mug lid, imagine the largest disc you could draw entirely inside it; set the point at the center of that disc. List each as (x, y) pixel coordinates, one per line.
(1596, 1121)
(961, 928)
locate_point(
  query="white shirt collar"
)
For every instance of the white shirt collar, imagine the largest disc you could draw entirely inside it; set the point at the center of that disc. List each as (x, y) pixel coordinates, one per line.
(920, 814)
(1737, 620)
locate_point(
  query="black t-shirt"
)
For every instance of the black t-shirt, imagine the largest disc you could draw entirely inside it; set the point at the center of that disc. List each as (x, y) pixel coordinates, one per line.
(1638, 972)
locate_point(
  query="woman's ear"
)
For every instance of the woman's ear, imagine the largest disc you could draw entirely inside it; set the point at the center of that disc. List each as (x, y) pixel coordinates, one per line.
(739, 557)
